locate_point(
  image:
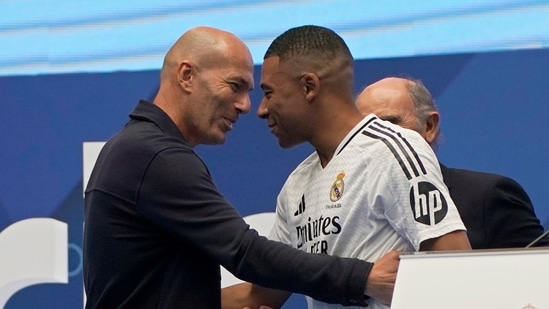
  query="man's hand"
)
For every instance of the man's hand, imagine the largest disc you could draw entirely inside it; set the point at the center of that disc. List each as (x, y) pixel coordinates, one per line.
(380, 283)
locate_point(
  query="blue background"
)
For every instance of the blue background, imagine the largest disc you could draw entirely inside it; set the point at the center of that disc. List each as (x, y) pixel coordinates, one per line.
(57, 91)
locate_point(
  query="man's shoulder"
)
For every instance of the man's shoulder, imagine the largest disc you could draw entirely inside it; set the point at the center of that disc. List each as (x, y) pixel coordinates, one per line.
(134, 148)
(147, 137)
(473, 177)
(470, 183)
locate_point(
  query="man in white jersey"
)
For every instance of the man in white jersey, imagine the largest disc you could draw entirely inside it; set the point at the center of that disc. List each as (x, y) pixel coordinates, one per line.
(369, 188)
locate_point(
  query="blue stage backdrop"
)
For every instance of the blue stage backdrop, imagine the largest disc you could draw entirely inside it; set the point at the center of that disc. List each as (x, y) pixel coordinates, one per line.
(494, 118)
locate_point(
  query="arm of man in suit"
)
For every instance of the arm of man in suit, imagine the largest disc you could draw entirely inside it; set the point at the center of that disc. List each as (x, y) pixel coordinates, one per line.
(510, 216)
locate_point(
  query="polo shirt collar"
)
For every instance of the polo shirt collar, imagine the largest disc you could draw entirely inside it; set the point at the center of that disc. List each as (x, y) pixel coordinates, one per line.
(147, 111)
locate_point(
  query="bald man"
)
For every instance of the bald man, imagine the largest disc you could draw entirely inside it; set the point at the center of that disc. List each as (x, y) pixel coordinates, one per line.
(156, 228)
(495, 209)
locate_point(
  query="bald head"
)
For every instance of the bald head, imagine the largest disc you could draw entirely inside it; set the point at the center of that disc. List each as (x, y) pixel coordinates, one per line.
(404, 102)
(205, 83)
(205, 47)
(390, 100)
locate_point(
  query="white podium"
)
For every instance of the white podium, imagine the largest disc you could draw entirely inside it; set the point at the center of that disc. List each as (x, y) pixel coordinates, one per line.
(514, 279)
(32, 251)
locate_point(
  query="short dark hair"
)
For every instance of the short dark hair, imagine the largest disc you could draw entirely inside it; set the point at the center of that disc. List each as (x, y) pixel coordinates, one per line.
(309, 41)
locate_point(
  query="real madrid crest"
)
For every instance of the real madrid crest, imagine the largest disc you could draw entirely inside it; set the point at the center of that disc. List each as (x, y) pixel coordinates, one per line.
(336, 192)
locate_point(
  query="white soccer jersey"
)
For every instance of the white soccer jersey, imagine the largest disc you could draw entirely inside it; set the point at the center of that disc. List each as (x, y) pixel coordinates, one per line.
(382, 190)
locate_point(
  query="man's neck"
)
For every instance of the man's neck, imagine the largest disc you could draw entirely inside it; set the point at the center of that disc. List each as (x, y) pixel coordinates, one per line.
(332, 134)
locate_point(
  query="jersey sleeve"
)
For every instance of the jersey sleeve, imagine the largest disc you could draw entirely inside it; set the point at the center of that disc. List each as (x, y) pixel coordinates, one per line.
(418, 204)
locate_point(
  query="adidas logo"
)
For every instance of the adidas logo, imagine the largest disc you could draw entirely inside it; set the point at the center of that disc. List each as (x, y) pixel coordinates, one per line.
(301, 207)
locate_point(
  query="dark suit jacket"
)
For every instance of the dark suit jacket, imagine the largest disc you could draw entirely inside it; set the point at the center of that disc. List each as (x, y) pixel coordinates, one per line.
(495, 209)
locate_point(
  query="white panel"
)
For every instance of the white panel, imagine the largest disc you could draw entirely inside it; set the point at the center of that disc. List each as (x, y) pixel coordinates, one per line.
(513, 279)
(33, 251)
(90, 152)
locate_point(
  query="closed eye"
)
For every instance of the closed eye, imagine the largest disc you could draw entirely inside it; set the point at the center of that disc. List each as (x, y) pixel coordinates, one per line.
(266, 91)
(393, 119)
(235, 86)
(240, 85)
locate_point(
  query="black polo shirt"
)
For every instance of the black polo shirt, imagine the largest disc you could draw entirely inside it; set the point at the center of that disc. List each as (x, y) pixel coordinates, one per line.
(156, 231)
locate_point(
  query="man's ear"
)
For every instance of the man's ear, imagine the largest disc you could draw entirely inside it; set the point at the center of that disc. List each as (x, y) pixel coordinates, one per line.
(432, 127)
(310, 83)
(185, 75)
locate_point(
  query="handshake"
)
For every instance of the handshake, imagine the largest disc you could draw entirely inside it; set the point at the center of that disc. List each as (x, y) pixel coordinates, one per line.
(380, 284)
